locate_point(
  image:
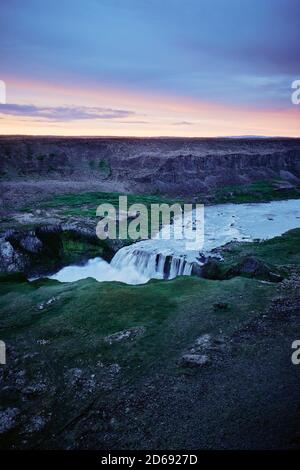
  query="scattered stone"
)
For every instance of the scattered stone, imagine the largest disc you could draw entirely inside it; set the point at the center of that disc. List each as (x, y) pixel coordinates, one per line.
(125, 335)
(47, 303)
(34, 390)
(20, 378)
(76, 375)
(194, 360)
(8, 419)
(203, 341)
(221, 306)
(204, 350)
(114, 369)
(37, 423)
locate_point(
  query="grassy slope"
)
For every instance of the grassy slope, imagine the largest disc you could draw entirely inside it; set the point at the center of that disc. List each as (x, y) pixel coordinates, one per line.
(85, 204)
(173, 312)
(259, 191)
(279, 252)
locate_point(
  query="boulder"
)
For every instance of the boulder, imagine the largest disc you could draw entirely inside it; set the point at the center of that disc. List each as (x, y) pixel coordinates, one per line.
(12, 260)
(125, 335)
(254, 268)
(8, 419)
(194, 360)
(211, 269)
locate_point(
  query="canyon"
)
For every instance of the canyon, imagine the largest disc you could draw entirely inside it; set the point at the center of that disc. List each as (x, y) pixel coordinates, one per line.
(189, 167)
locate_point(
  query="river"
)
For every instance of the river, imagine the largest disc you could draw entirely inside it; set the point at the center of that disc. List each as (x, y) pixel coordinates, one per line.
(159, 258)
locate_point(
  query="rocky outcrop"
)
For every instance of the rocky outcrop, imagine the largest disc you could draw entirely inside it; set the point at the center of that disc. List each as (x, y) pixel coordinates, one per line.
(51, 246)
(172, 166)
(21, 249)
(252, 267)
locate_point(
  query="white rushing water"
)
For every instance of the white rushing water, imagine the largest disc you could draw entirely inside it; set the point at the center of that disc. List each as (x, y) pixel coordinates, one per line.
(158, 258)
(100, 270)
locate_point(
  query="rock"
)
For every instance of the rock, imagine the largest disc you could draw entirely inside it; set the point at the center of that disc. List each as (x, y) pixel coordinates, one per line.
(20, 250)
(34, 390)
(8, 419)
(203, 341)
(211, 269)
(194, 360)
(75, 375)
(221, 306)
(125, 335)
(253, 267)
(31, 243)
(10, 259)
(20, 378)
(204, 350)
(47, 303)
(196, 269)
(37, 423)
(283, 185)
(114, 369)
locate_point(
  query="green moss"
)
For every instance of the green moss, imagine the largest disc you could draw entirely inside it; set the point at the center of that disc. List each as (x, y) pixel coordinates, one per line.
(85, 204)
(259, 191)
(96, 197)
(104, 167)
(76, 248)
(280, 253)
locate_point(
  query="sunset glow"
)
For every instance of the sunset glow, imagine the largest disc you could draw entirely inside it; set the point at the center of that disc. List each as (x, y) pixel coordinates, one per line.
(129, 74)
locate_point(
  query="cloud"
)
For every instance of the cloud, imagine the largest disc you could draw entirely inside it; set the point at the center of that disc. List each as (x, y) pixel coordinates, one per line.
(182, 123)
(63, 113)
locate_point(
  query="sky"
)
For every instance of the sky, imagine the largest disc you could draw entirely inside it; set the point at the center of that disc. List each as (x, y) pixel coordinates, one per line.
(150, 67)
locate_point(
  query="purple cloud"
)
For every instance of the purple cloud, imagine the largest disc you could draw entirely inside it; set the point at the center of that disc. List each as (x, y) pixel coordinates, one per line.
(63, 113)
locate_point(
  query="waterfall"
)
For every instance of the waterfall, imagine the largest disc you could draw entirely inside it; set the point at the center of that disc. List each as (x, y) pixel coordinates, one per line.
(165, 259)
(151, 262)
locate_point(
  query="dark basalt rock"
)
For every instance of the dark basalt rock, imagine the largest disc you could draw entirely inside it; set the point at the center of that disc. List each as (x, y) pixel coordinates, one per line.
(196, 270)
(180, 166)
(20, 249)
(24, 250)
(254, 268)
(211, 269)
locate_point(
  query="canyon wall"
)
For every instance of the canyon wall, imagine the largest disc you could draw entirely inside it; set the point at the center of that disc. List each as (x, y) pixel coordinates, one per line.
(164, 165)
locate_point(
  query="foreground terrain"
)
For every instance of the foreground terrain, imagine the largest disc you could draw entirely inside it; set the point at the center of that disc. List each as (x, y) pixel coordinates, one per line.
(188, 363)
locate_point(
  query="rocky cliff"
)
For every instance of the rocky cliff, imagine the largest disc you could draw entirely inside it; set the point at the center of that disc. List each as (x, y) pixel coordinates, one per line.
(165, 165)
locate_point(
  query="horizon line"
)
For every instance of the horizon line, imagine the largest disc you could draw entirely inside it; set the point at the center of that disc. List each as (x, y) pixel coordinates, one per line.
(244, 136)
